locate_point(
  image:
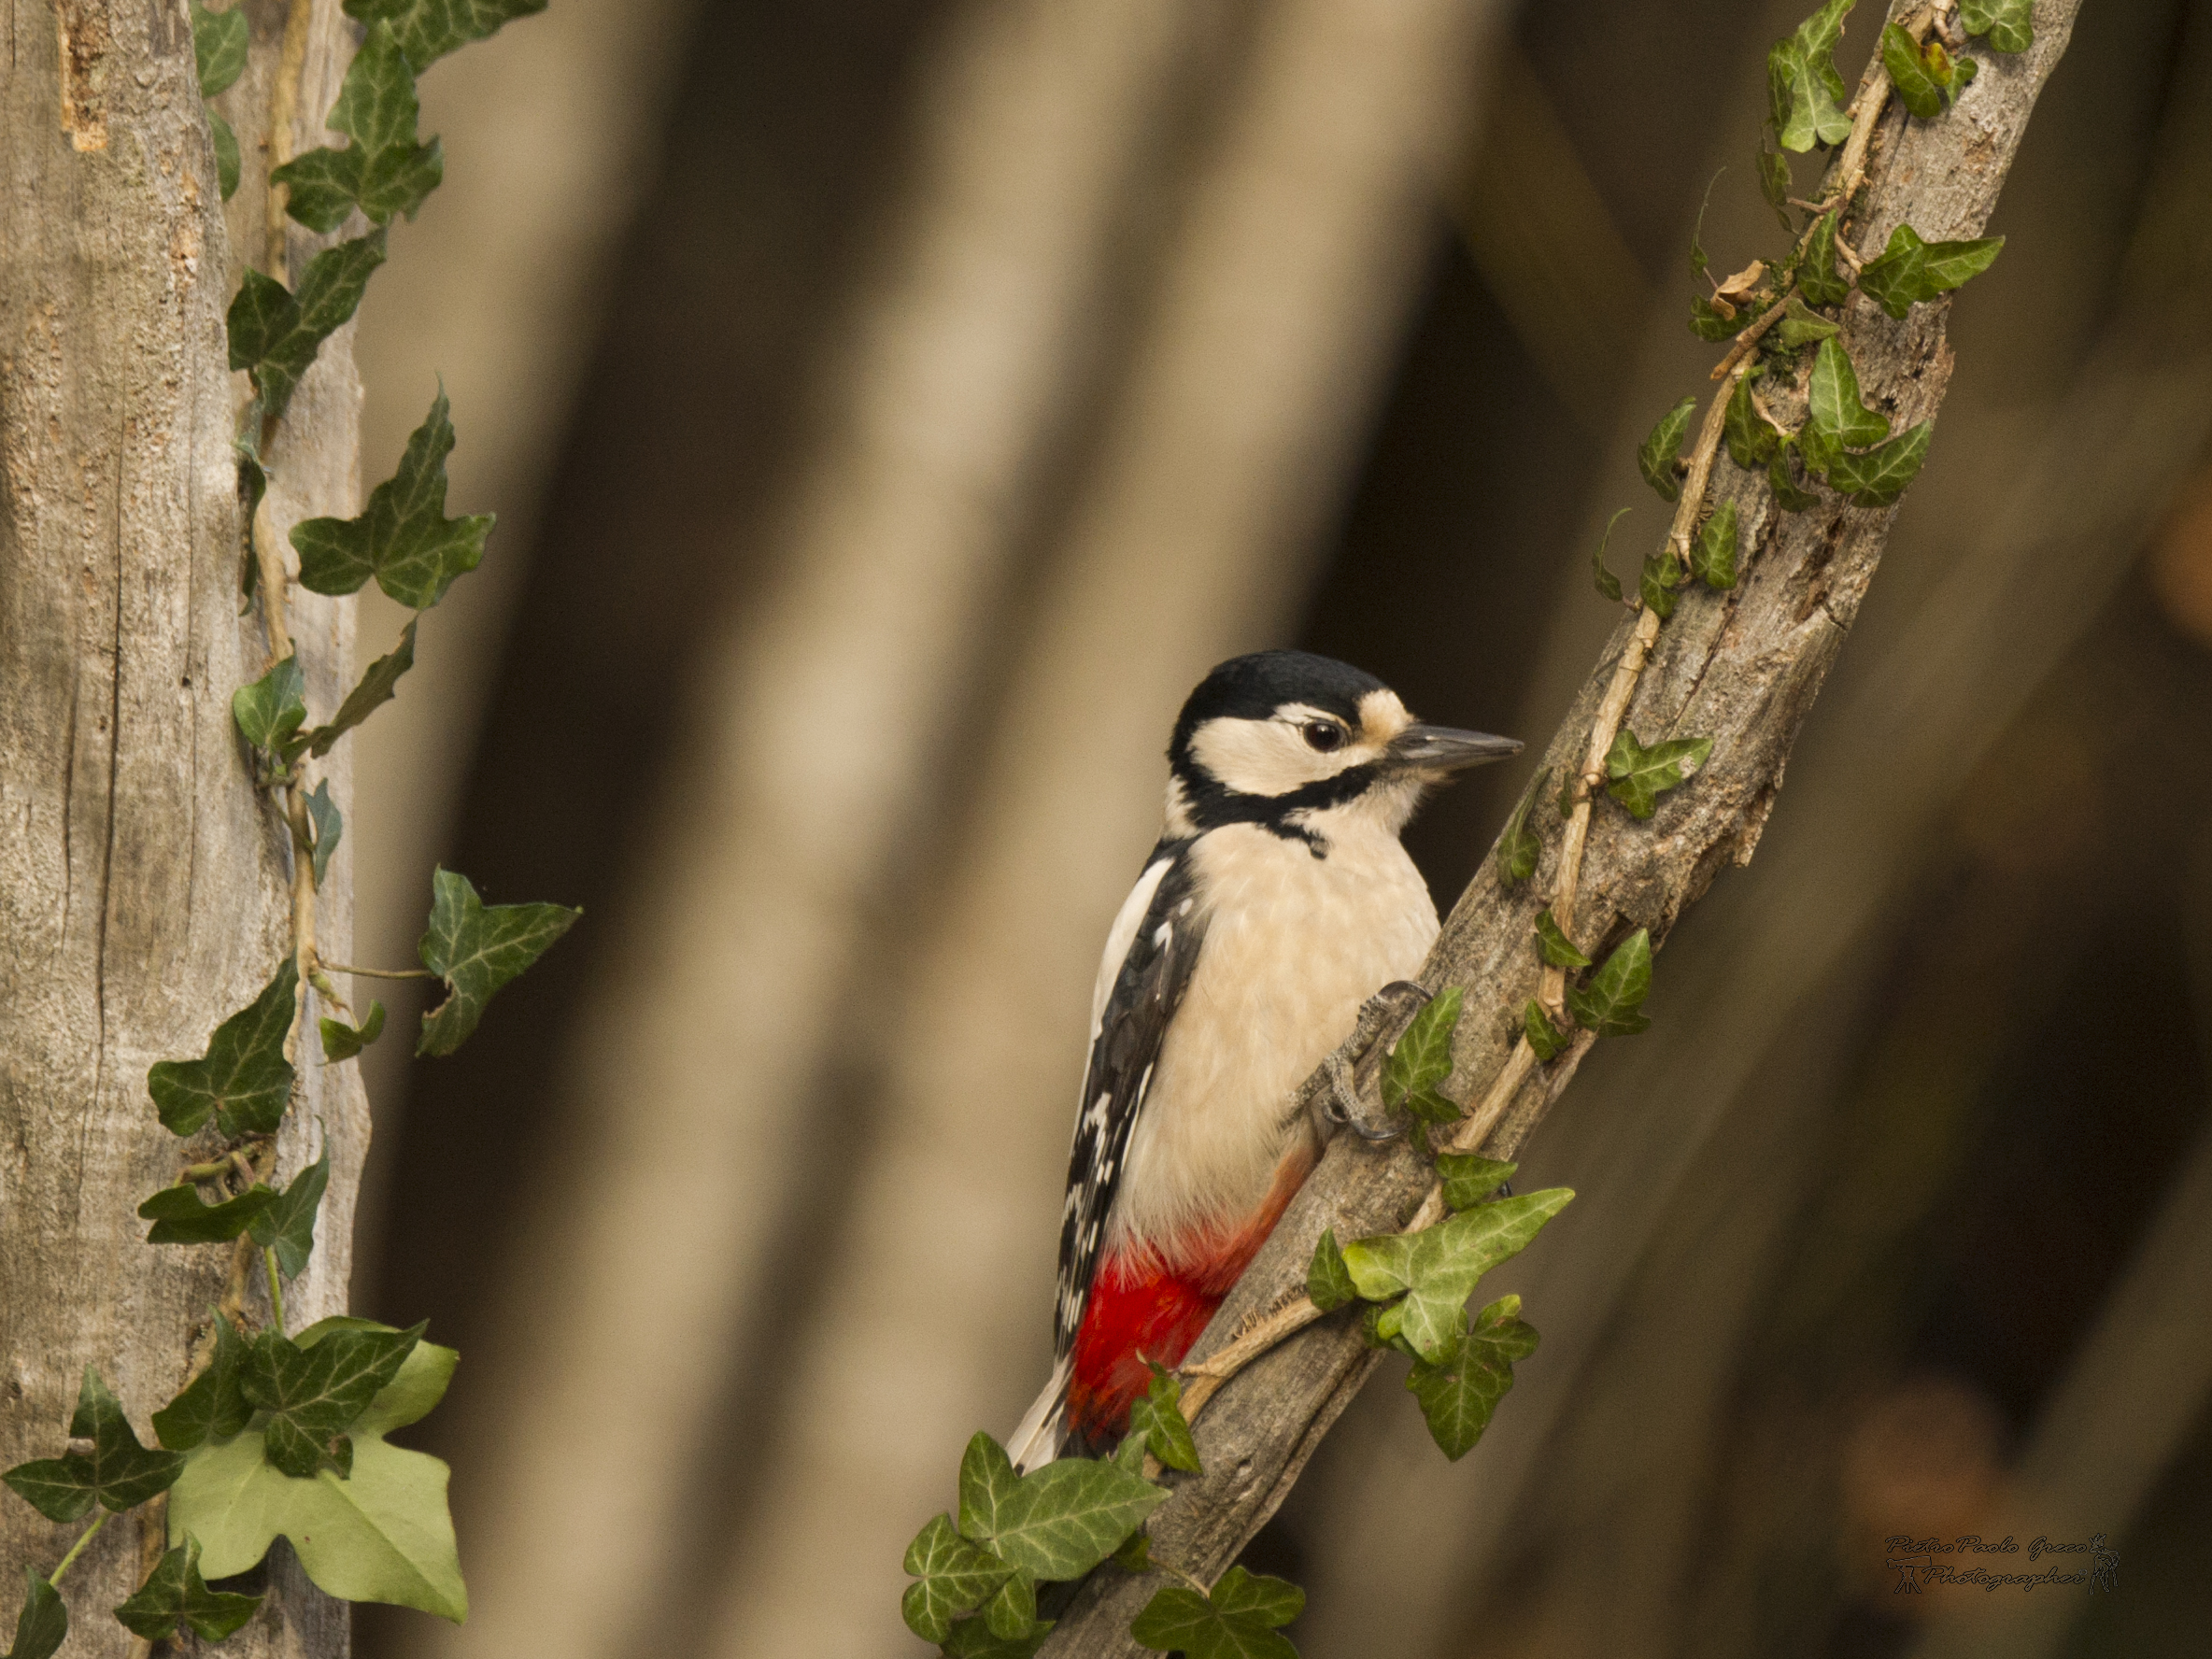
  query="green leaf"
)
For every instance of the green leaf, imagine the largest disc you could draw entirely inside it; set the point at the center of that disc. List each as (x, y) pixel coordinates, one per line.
(1818, 449)
(213, 1405)
(1912, 270)
(1130, 1455)
(1058, 1522)
(1802, 84)
(427, 30)
(1157, 1415)
(1329, 1282)
(475, 948)
(376, 688)
(253, 484)
(1135, 1554)
(219, 47)
(274, 335)
(1470, 1179)
(403, 537)
(225, 142)
(1520, 848)
(1607, 1004)
(179, 1217)
(974, 1638)
(384, 170)
(174, 1593)
(1662, 575)
(1656, 460)
(1713, 555)
(119, 1472)
(1559, 950)
(1609, 585)
(1787, 495)
(313, 1392)
(1707, 321)
(383, 1535)
(1917, 89)
(2010, 24)
(1879, 478)
(1831, 396)
(319, 187)
(43, 1624)
(1801, 326)
(1459, 1393)
(244, 1080)
(1239, 1619)
(1775, 184)
(269, 712)
(342, 1042)
(322, 817)
(1437, 1268)
(1544, 1037)
(288, 1225)
(1751, 439)
(1421, 1058)
(1818, 280)
(1012, 1614)
(954, 1578)
(1640, 776)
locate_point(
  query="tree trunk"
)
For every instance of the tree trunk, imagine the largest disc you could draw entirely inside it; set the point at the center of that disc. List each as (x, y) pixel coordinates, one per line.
(144, 885)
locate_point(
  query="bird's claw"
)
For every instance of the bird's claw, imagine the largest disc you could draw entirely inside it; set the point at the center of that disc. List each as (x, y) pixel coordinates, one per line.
(1343, 1104)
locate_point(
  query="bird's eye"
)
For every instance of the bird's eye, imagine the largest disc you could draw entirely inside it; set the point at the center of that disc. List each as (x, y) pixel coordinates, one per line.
(1322, 736)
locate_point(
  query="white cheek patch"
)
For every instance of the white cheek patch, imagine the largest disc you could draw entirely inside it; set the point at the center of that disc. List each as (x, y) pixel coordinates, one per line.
(1272, 757)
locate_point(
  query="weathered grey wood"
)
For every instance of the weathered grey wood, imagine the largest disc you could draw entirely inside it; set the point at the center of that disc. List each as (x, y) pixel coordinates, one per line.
(1742, 667)
(142, 883)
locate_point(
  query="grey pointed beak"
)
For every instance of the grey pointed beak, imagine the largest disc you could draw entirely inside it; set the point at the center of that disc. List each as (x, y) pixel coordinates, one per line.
(1443, 748)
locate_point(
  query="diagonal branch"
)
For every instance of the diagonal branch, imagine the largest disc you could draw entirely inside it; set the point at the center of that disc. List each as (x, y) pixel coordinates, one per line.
(1742, 667)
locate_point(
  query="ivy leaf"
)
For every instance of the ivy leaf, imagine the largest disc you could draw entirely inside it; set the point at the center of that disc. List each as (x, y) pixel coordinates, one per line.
(1880, 476)
(1239, 1619)
(383, 1535)
(269, 712)
(1328, 1282)
(274, 335)
(213, 1405)
(1656, 460)
(1520, 848)
(1833, 397)
(1662, 575)
(954, 1578)
(1787, 495)
(1544, 1037)
(475, 948)
(174, 1593)
(1640, 776)
(1817, 448)
(427, 30)
(1012, 1614)
(1917, 89)
(1459, 1393)
(974, 1638)
(179, 1217)
(1609, 585)
(1421, 1060)
(1135, 1556)
(43, 1624)
(1468, 1179)
(1751, 439)
(1130, 1455)
(1775, 184)
(1818, 280)
(225, 142)
(403, 537)
(1058, 1522)
(1707, 321)
(1437, 1268)
(288, 1225)
(314, 1392)
(1800, 326)
(119, 1473)
(323, 819)
(1713, 556)
(219, 47)
(1157, 1415)
(1559, 949)
(1910, 269)
(2010, 24)
(1802, 84)
(384, 170)
(253, 484)
(1607, 1004)
(377, 688)
(342, 1042)
(244, 1080)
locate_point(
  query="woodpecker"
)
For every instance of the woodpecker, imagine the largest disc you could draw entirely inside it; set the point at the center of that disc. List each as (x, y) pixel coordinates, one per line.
(1277, 901)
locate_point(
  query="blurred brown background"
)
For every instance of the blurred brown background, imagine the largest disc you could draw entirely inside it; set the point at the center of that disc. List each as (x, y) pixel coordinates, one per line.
(892, 408)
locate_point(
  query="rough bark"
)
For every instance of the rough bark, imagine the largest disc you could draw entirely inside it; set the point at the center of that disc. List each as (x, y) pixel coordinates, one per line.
(143, 883)
(1742, 667)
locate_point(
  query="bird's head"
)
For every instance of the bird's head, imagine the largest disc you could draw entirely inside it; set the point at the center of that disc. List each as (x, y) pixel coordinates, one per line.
(1282, 737)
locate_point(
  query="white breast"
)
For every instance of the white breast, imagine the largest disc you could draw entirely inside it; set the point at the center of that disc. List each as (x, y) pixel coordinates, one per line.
(1293, 945)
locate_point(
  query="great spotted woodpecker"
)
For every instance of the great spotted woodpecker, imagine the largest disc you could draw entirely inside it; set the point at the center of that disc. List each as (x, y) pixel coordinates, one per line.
(1277, 901)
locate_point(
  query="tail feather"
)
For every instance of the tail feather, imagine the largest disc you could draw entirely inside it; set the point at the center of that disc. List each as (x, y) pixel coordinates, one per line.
(1043, 1431)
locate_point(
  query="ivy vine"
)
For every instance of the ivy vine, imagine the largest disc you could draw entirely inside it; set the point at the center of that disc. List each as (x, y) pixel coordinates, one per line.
(281, 1433)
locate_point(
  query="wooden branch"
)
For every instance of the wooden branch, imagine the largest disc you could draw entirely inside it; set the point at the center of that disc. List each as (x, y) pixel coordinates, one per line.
(1741, 668)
